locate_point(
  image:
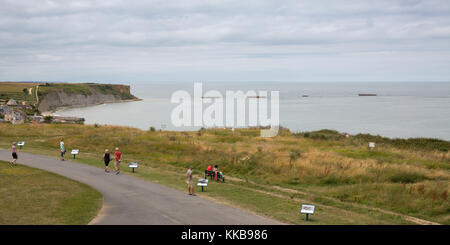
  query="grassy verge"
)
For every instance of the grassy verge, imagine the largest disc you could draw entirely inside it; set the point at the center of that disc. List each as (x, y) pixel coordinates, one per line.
(31, 196)
(349, 183)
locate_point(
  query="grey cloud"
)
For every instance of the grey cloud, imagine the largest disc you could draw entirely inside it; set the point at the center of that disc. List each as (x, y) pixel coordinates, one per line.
(142, 37)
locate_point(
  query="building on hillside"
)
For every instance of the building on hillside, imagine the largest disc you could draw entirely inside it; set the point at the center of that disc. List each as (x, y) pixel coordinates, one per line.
(15, 117)
(4, 109)
(12, 102)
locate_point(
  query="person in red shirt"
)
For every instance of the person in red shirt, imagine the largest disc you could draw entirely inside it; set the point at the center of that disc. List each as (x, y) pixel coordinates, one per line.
(118, 159)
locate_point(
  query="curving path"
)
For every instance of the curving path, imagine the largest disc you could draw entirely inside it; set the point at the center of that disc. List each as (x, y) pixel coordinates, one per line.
(129, 200)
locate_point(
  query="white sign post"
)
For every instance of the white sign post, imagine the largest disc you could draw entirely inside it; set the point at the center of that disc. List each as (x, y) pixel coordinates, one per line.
(307, 209)
(20, 144)
(75, 152)
(202, 183)
(133, 165)
(371, 145)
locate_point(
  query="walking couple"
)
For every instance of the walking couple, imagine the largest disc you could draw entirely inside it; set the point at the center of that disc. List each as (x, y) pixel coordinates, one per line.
(117, 160)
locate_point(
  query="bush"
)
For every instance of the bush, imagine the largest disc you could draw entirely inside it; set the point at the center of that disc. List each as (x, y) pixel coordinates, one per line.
(294, 155)
(48, 119)
(407, 177)
(260, 149)
(411, 143)
(152, 129)
(329, 180)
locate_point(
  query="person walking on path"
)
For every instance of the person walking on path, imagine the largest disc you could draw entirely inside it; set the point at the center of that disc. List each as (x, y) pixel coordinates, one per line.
(190, 182)
(14, 153)
(118, 159)
(62, 148)
(106, 159)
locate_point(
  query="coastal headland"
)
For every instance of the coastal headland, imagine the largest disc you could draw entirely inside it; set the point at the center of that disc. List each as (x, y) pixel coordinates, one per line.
(29, 100)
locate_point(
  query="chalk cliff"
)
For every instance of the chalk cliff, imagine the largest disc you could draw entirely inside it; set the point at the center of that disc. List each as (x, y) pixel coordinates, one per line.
(83, 95)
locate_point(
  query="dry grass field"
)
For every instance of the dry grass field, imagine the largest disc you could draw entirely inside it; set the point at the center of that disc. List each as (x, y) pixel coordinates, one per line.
(338, 174)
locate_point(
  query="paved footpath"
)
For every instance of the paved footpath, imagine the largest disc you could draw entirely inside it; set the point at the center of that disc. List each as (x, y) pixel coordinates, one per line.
(129, 200)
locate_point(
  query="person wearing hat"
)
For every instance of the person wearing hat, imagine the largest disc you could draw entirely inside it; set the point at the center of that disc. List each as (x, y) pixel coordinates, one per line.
(14, 153)
(106, 159)
(190, 182)
(118, 159)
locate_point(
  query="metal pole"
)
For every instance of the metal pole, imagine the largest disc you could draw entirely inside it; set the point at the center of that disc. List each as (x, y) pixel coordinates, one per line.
(133, 170)
(307, 217)
(202, 188)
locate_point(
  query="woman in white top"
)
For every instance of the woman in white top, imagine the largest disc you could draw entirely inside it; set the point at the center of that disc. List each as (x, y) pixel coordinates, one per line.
(62, 148)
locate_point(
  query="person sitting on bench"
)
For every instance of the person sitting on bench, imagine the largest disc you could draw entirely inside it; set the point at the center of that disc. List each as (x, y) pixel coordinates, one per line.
(209, 171)
(216, 172)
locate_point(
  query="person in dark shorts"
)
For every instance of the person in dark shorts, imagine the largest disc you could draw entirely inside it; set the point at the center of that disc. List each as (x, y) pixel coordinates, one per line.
(14, 153)
(106, 159)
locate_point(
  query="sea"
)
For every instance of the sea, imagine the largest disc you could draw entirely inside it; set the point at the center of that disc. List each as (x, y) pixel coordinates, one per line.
(399, 109)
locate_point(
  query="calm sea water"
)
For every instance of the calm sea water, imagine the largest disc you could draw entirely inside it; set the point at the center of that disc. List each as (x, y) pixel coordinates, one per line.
(401, 110)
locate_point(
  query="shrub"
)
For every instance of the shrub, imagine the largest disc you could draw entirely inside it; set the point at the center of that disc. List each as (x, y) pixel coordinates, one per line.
(200, 131)
(407, 177)
(412, 143)
(152, 129)
(335, 180)
(294, 155)
(48, 119)
(444, 195)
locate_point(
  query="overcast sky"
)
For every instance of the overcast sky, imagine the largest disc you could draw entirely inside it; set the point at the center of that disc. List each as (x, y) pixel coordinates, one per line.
(215, 40)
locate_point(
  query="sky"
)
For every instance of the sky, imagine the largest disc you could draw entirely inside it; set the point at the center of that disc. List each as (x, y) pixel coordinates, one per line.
(216, 40)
